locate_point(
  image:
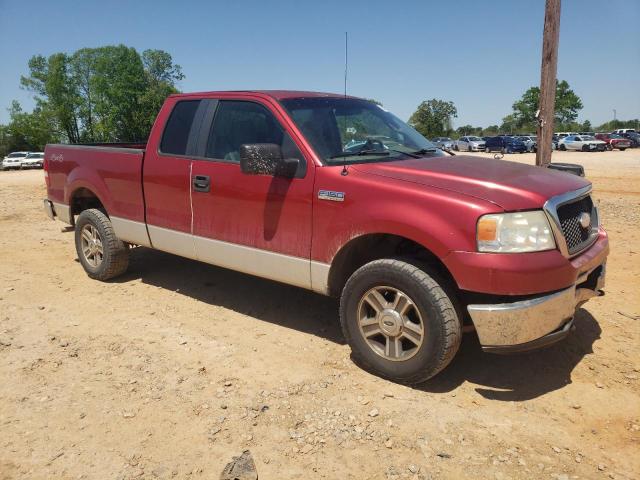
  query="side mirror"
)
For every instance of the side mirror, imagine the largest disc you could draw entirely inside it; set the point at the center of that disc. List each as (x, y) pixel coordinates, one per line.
(266, 159)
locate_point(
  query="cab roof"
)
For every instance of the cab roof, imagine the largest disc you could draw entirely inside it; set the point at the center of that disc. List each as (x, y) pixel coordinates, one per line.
(275, 94)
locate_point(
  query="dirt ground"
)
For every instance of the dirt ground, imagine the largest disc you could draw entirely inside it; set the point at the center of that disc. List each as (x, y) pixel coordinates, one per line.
(176, 367)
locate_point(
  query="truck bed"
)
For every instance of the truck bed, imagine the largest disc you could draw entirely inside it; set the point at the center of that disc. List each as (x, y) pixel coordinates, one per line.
(112, 171)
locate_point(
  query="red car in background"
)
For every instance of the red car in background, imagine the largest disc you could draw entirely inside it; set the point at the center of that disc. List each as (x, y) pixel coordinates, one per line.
(614, 140)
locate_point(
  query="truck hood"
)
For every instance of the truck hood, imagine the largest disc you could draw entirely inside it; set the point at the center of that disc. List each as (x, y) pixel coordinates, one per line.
(512, 186)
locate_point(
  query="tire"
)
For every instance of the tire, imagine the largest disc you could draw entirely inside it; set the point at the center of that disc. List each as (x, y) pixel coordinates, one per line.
(562, 147)
(487, 150)
(113, 260)
(585, 148)
(430, 307)
(623, 149)
(503, 151)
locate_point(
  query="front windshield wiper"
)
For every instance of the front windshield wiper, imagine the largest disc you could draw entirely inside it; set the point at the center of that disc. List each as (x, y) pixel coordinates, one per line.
(411, 154)
(361, 153)
(422, 151)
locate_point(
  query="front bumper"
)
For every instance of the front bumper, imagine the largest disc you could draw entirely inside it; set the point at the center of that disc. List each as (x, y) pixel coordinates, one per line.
(535, 322)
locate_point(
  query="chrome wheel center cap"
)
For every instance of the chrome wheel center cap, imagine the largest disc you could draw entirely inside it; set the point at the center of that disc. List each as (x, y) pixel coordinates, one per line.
(390, 322)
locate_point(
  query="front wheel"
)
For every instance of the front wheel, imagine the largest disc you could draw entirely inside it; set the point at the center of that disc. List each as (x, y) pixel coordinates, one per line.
(562, 147)
(623, 149)
(101, 253)
(399, 321)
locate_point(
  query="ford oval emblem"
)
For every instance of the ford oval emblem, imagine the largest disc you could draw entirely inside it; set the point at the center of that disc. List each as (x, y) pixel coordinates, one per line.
(585, 220)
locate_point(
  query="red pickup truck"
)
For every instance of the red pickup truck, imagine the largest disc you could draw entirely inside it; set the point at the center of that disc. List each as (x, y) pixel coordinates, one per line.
(337, 195)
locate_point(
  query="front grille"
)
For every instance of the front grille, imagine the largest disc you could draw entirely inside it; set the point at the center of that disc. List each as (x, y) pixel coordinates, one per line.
(577, 236)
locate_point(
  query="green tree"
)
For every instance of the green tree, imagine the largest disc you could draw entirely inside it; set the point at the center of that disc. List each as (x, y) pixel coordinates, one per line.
(26, 131)
(433, 117)
(373, 100)
(491, 131)
(102, 94)
(568, 104)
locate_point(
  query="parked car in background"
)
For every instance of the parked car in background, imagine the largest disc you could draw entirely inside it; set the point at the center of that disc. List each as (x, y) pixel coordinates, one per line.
(620, 131)
(562, 135)
(13, 160)
(33, 160)
(585, 143)
(504, 144)
(614, 141)
(445, 143)
(470, 144)
(530, 141)
(633, 137)
(587, 133)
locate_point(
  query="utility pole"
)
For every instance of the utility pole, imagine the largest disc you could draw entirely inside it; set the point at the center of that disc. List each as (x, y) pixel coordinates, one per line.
(546, 112)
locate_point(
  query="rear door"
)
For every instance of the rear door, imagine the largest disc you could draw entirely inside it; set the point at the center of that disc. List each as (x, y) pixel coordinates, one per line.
(257, 224)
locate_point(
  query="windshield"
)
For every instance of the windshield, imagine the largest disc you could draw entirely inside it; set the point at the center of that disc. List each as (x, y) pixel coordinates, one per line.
(34, 155)
(353, 130)
(587, 137)
(17, 155)
(474, 139)
(613, 135)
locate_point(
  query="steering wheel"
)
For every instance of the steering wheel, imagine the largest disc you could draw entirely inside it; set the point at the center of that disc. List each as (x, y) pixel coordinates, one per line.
(373, 144)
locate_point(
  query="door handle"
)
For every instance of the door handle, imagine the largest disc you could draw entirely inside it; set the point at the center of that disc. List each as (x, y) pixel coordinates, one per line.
(201, 183)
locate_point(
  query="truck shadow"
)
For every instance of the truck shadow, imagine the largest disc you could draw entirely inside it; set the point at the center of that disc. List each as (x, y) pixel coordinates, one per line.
(513, 378)
(498, 377)
(262, 299)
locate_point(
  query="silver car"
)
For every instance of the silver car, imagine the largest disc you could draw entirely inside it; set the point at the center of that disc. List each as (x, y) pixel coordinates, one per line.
(530, 141)
(33, 160)
(470, 144)
(445, 143)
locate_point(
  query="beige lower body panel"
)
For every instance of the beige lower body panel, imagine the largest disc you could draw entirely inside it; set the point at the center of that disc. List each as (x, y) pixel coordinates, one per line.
(130, 231)
(300, 272)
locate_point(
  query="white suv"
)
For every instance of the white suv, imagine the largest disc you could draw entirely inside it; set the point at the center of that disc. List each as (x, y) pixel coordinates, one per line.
(13, 160)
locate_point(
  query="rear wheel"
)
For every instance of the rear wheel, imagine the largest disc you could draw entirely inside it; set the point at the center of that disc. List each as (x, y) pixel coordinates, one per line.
(562, 147)
(101, 253)
(399, 321)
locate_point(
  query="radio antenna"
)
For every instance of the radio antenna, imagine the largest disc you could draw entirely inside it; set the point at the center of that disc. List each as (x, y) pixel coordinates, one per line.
(346, 69)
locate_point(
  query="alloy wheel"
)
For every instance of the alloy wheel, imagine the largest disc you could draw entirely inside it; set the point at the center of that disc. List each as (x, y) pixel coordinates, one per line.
(91, 245)
(390, 323)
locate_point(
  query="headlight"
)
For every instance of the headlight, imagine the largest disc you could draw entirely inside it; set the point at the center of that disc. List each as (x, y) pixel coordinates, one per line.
(515, 232)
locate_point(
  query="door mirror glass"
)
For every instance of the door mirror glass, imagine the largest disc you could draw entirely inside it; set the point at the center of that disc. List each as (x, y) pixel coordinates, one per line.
(266, 159)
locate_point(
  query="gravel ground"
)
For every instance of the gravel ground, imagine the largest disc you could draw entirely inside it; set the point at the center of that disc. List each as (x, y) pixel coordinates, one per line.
(173, 369)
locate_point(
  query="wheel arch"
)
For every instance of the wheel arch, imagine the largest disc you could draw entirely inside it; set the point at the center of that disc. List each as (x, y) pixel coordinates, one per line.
(368, 247)
(83, 198)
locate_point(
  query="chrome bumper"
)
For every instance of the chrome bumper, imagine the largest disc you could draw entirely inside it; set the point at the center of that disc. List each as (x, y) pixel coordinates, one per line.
(533, 323)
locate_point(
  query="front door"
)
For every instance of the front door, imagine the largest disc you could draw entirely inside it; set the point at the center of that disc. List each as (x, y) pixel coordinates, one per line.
(257, 224)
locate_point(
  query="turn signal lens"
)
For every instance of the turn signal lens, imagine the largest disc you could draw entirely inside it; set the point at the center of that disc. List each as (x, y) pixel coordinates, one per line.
(487, 228)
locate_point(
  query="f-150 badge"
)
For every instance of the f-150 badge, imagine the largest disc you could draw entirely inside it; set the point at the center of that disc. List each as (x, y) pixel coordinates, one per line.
(331, 195)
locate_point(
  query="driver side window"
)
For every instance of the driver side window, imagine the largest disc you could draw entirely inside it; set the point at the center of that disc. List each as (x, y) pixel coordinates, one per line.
(239, 123)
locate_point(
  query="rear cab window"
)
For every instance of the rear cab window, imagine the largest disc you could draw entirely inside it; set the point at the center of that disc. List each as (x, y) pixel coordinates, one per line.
(175, 137)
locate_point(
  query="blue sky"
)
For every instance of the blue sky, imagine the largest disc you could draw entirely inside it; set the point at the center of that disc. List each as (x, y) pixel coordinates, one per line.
(480, 55)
